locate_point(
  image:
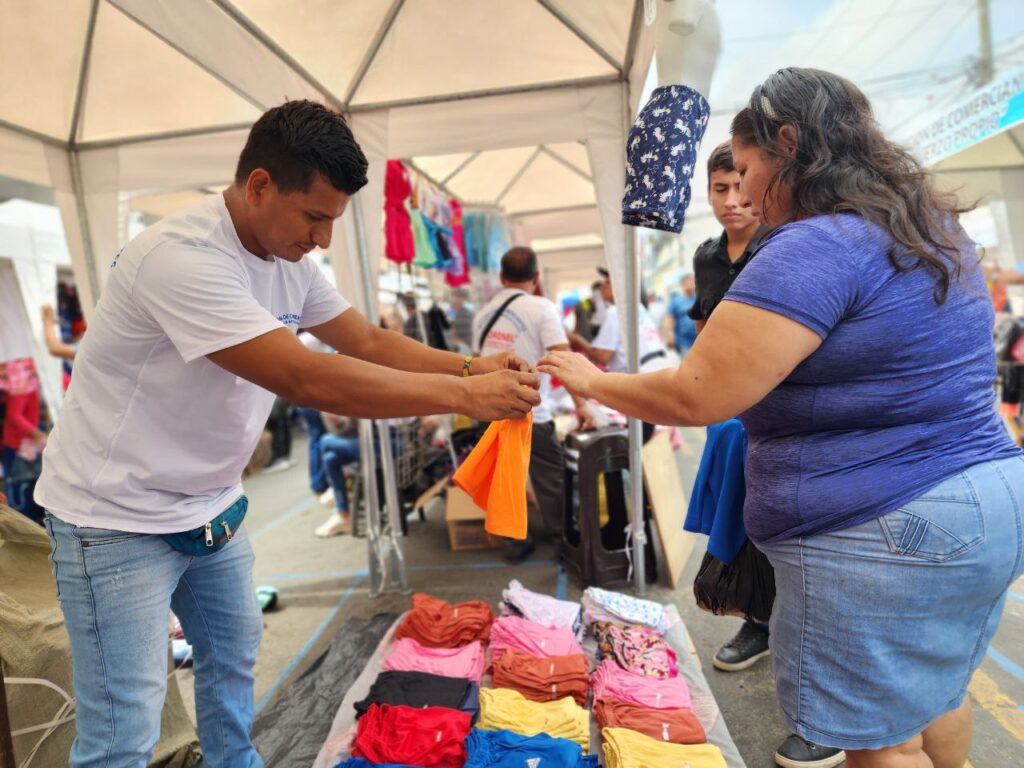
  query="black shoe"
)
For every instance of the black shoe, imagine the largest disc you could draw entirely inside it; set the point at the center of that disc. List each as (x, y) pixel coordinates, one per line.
(518, 552)
(796, 752)
(749, 645)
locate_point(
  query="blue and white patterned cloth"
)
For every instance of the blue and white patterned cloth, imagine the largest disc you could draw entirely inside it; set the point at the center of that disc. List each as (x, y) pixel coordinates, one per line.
(602, 605)
(661, 152)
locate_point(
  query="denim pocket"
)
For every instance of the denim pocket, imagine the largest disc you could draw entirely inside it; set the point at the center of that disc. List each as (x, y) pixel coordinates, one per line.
(98, 537)
(938, 528)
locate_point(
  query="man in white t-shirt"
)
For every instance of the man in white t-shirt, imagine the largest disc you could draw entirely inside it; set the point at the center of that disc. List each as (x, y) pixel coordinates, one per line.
(194, 335)
(517, 320)
(609, 348)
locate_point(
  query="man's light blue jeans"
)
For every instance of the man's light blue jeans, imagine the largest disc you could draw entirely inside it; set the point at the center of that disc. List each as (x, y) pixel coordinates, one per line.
(116, 590)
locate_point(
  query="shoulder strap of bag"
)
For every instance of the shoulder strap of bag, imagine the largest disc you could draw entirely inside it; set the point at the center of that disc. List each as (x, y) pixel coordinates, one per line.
(494, 319)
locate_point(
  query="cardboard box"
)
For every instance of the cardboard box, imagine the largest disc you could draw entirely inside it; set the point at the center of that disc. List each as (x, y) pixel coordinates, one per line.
(466, 523)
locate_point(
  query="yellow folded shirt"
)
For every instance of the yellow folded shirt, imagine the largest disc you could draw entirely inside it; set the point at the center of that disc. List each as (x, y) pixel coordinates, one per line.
(502, 709)
(624, 748)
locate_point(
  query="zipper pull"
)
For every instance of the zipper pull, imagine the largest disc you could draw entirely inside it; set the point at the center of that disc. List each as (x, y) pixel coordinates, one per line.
(227, 530)
(208, 529)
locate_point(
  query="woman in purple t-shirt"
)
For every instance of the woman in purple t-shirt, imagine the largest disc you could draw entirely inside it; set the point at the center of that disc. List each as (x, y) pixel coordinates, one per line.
(881, 483)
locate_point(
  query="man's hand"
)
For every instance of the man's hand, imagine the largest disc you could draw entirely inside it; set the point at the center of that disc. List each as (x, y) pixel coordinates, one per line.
(576, 373)
(499, 361)
(504, 394)
(586, 421)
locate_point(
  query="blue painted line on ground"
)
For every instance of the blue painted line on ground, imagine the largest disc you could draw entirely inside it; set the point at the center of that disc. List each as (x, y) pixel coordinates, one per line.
(1015, 596)
(339, 574)
(562, 584)
(492, 564)
(1009, 665)
(300, 507)
(297, 659)
(351, 572)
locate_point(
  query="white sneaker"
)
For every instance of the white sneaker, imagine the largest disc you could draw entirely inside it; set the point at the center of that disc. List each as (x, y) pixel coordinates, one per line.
(335, 525)
(279, 465)
(327, 497)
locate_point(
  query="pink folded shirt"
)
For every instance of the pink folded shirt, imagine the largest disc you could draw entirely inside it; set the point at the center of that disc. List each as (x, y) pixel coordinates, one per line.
(531, 638)
(613, 682)
(407, 655)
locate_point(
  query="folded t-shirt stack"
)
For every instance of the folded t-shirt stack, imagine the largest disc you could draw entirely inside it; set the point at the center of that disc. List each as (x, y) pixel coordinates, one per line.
(505, 709)
(416, 689)
(434, 623)
(545, 610)
(504, 749)
(610, 681)
(407, 655)
(678, 726)
(636, 648)
(547, 679)
(433, 737)
(532, 638)
(602, 605)
(624, 748)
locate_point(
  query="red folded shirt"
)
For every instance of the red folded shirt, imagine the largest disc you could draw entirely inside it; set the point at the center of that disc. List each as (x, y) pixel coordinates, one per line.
(432, 737)
(434, 623)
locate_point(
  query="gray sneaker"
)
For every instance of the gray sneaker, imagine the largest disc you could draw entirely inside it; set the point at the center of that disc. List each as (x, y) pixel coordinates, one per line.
(796, 752)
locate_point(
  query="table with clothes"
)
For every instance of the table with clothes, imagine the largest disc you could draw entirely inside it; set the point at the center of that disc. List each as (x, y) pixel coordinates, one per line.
(544, 682)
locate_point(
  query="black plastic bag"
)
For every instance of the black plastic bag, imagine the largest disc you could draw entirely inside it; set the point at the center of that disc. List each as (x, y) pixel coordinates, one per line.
(745, 587)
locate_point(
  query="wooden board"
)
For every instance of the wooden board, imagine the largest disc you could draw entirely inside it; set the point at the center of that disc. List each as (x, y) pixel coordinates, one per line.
(669, 501)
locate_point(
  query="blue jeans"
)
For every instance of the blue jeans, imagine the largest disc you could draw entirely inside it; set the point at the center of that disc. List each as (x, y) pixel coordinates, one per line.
(116, 590)
(337, 451)
(315, 429)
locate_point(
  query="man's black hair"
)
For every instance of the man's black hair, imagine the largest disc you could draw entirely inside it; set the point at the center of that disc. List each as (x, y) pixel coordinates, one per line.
(299, 138)
(519, 264)
(720, 160)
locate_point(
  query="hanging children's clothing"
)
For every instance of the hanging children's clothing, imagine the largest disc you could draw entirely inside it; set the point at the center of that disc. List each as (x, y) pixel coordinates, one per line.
(398, 240)
(661, 154)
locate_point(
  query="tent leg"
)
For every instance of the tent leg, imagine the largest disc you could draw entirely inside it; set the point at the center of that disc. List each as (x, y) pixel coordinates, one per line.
(382, 549)
(6, 740)
(631, 317)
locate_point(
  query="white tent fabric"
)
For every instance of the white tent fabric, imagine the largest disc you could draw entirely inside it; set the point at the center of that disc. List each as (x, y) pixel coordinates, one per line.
(110, 99)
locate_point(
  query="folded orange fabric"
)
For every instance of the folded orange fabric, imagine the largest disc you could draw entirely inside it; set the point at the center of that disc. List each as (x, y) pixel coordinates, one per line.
(494, 475)
(678, 726)
(434, 623)
(547, 679)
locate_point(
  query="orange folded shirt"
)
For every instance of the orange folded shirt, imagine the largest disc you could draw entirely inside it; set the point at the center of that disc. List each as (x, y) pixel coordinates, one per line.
(494, 475)
(678, 726)
(437, 624)
(547, 679)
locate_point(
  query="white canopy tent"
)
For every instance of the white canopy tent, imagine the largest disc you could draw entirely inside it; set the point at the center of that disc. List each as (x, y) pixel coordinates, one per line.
(109, 99)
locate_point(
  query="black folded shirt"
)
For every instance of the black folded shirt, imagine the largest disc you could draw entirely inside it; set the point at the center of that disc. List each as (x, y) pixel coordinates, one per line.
(416, 689)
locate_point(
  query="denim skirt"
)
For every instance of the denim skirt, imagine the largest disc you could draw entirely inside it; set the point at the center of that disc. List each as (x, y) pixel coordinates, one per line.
(877, 629)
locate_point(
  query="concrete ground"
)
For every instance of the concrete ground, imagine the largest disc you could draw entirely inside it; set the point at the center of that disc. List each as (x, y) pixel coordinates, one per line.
(323, 582)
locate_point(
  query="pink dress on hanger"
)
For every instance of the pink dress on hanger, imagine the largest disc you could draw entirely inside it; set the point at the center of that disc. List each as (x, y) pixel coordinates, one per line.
(460, 274)
(398, 243)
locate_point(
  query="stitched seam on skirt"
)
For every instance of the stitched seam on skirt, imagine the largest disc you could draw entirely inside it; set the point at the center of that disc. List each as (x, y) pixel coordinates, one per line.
(973, 662)
(1020, 537)
(99, 645)
(803, 636)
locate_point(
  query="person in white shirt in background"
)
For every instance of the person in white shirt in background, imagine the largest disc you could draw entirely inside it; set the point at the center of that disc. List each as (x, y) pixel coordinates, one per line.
(518, 321)
(194, 335)
(609, 347)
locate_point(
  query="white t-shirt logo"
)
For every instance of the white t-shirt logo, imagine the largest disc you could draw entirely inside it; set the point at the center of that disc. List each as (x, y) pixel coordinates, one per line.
(533, 762)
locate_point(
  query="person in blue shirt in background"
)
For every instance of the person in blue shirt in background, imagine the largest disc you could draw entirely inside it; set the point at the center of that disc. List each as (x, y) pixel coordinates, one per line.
(684, 327)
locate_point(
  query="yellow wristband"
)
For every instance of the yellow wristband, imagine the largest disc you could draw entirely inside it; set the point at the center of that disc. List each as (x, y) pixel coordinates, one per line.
(466, 362)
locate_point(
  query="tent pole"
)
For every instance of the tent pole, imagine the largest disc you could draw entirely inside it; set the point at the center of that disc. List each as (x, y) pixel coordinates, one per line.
(386, 549)
(6, 740)
(629, 315)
